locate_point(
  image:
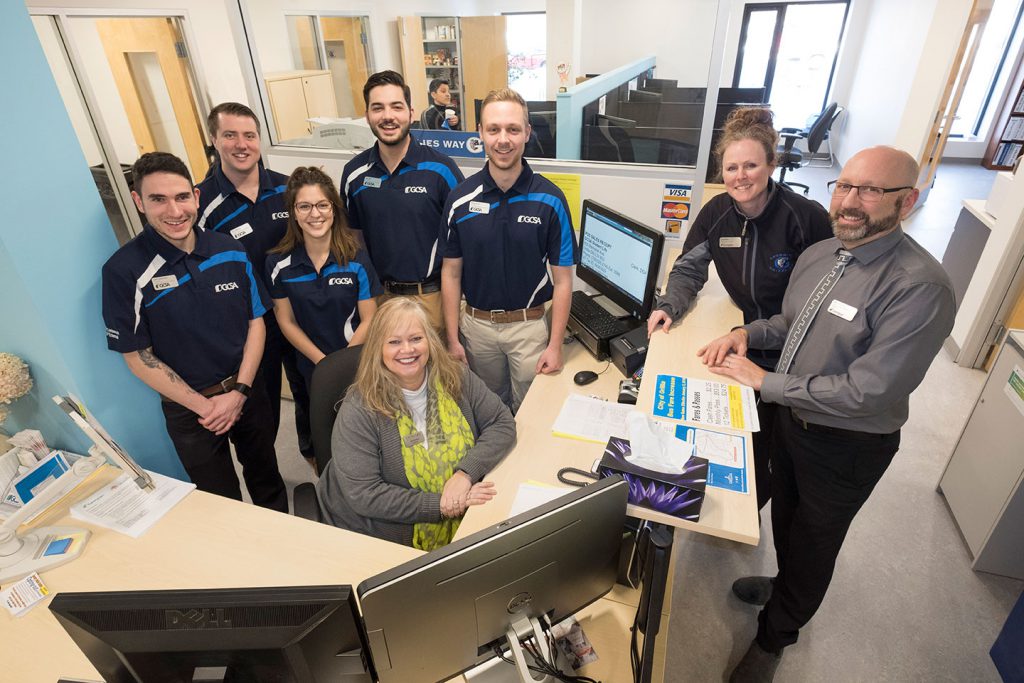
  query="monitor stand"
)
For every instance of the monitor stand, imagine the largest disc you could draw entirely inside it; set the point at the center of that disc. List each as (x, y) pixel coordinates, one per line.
(498, 670)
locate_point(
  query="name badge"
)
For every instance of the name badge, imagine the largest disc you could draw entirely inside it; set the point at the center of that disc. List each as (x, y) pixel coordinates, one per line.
(844, 311)
(479, 207)
(730, 242)
(370, 181)
(165, 282)
(413, 439)
(241, 231)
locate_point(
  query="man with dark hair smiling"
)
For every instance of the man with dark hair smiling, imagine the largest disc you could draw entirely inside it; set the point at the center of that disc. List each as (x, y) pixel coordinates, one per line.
(185, 309)
(394, 193)
(244, 199)
(863, 316)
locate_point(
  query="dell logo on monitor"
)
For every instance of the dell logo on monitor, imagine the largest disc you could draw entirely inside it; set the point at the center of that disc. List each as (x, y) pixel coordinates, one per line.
(519, 603)
(193, 619)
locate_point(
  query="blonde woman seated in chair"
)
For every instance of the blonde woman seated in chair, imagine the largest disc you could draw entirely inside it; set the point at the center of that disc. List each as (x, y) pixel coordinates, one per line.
(415, 436)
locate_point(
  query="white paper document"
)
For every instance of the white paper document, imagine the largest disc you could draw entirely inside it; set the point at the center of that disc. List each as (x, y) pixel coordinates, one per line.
(591, 419)
(124, 507)
(715, 404)
(530, 496)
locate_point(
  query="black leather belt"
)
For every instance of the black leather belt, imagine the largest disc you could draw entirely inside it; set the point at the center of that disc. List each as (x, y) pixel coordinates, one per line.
(825, 429)
(411, 288)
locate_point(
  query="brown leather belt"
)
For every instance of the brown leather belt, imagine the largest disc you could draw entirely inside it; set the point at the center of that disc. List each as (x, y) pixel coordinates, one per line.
(411, 288)
(224, 387)
(517, 316)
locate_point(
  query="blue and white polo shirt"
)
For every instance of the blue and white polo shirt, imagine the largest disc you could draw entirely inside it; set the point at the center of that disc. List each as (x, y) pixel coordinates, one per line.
(506, 240)
(193, 309)
(258, 225)
(325, 304)
(400, 213)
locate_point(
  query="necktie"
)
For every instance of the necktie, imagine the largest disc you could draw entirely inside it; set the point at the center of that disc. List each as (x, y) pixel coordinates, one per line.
(798, 330)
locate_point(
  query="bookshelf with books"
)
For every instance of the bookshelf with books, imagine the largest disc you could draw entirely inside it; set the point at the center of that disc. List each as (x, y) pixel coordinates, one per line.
(1007, 140)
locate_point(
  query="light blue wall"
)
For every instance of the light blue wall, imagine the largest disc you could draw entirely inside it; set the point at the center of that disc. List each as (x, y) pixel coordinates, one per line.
(54, 238)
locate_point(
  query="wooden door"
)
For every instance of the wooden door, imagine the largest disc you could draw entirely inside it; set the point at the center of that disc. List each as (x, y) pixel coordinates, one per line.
(484, 60)
(350, 31)
(319, 93)
(410, 40)
(955, 83)
(157, 36)
(288, 105)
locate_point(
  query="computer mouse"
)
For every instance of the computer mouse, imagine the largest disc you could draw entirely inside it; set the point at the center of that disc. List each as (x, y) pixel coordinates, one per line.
(584, 377)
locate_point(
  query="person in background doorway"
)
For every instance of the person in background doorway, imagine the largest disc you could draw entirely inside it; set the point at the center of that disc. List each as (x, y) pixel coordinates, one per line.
(440, 115)
(244, 199)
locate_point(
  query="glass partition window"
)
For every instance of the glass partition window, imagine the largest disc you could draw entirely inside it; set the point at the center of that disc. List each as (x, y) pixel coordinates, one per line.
(526, 36)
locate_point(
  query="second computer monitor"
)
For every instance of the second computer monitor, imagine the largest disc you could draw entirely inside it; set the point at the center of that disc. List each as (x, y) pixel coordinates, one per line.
(619, 257)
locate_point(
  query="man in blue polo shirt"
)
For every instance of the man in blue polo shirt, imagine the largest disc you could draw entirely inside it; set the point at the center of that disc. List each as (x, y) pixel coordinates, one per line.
(185, 308)
(244, 199)
(505, 228)
(394, 193)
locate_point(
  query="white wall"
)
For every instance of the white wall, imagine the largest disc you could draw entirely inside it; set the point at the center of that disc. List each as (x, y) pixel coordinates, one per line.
(894, 77)
(680, 34)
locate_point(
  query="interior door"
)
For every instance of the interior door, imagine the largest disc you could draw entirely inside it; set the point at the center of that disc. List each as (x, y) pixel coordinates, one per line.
(349, 32)
(147, 60)
(484, 60)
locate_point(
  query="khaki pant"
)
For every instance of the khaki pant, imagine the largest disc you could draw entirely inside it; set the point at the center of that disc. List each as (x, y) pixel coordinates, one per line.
(431, 302)
(505, 355)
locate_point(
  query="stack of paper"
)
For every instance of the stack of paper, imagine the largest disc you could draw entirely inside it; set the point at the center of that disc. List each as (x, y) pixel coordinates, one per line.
(123, 506)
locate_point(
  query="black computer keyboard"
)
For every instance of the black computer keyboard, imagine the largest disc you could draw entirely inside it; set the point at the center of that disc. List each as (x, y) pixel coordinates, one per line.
(595, 318)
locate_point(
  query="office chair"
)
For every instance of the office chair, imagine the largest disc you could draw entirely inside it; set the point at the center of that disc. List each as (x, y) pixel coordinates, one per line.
(790, 159)
(331, 379)
(828, 142)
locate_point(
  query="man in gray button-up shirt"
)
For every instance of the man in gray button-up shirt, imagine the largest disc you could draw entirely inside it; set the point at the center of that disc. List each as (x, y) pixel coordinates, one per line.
(848, 388)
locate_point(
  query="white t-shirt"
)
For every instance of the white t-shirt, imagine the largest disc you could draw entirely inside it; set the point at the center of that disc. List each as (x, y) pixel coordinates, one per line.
(416, 401)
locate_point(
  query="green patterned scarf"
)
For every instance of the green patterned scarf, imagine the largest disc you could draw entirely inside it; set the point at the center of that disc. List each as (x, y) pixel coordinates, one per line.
(428, 469)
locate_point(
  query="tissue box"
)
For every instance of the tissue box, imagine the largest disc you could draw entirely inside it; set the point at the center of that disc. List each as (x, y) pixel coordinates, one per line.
(679, 495)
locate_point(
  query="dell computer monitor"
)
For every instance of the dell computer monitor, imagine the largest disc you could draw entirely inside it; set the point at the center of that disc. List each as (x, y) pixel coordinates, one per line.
(619, 258)
(300, 634)
(441, 614)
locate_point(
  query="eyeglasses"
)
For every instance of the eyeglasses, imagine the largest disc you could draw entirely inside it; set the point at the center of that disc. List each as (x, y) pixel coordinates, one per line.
(867, 193)
(305, 207)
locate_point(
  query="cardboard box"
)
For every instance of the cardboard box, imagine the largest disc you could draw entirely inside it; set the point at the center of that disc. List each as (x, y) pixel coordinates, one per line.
(679, 495)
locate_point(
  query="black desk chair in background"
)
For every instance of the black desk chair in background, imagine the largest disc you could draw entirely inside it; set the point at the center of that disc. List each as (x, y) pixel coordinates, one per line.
(790, 159)
(331, 379)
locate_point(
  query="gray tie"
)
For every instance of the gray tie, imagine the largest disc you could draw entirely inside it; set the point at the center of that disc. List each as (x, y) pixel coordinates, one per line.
(799, 328)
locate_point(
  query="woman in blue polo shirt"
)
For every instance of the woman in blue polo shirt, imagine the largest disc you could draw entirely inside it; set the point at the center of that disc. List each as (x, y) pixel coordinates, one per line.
(322, 282)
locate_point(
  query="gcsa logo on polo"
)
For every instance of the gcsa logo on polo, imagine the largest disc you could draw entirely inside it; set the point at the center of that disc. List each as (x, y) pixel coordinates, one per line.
(278, 215)
(529, 219)
(416, 189)
(226, 287)
(340, 281)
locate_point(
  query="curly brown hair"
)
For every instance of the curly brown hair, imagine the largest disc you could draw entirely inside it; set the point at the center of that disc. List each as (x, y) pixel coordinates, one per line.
(749, 123)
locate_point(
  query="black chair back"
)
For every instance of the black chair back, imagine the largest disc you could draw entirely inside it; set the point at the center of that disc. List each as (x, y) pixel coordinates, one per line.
(331, 379)
(816, 133)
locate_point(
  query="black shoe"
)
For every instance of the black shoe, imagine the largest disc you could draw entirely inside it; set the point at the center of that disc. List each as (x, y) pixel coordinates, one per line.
(757, 666)
(753, 590)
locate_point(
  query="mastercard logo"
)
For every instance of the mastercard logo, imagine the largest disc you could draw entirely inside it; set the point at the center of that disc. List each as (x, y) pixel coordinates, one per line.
(673, 210)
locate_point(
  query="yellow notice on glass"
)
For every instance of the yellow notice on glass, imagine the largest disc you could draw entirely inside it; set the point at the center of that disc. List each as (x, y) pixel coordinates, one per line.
(569, 184)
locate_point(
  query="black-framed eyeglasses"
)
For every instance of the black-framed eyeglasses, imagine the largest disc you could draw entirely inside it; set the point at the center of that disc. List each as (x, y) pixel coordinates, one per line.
(302, 208)
(867, 193)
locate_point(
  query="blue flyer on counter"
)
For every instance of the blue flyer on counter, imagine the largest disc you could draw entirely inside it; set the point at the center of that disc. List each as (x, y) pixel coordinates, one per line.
(47, 471)
(725, 453)
(668, 396)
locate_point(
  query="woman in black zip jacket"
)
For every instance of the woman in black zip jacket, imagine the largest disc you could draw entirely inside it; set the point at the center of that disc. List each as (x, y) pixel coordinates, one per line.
(753, 233)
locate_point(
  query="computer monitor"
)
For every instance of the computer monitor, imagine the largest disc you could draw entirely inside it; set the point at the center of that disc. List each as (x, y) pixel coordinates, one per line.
(619, 257)
(439, 615)
(300, 634)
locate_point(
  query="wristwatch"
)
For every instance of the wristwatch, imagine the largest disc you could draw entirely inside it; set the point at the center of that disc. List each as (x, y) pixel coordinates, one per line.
(243, 389)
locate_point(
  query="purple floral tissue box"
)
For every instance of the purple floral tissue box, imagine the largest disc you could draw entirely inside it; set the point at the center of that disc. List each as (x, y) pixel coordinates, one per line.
(679, 495)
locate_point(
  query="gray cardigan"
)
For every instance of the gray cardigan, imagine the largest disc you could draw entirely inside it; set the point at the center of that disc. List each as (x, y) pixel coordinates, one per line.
(365, 489)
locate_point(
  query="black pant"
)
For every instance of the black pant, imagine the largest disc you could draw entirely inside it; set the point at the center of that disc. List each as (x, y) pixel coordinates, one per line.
(277, 352)
(207, 456)
(820, 480)
(762, 442)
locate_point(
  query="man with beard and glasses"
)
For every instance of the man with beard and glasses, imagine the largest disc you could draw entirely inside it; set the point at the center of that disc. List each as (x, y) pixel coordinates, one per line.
(862, 318)
(394, 193)
(509, 245)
